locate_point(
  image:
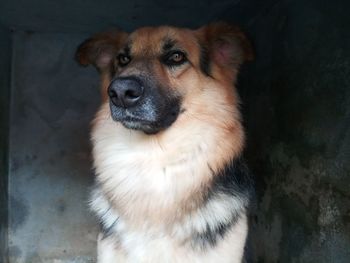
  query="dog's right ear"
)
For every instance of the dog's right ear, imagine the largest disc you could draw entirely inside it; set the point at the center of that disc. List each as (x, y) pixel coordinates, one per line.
(100, 49)
(224, 45)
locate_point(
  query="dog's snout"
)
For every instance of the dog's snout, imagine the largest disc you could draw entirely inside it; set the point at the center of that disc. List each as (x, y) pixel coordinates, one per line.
(125, 92)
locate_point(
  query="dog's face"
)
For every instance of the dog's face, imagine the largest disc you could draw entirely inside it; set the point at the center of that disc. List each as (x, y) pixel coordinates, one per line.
(155, 74)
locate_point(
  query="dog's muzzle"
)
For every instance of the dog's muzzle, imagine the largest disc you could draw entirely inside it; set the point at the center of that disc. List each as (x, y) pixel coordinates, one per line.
(140, 106)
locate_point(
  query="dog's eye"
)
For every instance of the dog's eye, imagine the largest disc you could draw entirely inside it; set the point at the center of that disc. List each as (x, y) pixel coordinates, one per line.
(123, 60)
(175, 58)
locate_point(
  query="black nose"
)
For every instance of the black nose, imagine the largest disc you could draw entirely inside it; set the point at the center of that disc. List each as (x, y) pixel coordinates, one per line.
(125, 92)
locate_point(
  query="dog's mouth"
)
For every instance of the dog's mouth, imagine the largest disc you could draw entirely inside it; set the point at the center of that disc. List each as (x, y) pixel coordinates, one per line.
(147, 117)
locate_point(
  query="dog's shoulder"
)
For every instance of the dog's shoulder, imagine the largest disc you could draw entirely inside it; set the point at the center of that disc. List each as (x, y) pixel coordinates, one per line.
(228, 199)
(234, 179)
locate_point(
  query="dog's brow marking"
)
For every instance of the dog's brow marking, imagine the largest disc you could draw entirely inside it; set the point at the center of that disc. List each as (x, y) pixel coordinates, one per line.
(168, 44)
(126, 50)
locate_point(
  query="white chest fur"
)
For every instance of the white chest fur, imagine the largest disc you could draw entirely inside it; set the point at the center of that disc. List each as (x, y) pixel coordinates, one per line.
(151, 174)
(145, 181)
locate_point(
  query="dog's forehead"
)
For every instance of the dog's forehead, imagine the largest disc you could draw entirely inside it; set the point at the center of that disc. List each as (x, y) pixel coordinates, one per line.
(153, 40)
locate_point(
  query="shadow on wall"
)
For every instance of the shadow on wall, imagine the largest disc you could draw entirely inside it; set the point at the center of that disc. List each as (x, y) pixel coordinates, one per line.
(297, 111)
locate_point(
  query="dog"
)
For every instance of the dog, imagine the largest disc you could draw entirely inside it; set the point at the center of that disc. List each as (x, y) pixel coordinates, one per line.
(171, 184)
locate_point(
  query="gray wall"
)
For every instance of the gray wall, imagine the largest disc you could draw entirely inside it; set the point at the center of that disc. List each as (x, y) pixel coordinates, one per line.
(52, 104)
(297, 111)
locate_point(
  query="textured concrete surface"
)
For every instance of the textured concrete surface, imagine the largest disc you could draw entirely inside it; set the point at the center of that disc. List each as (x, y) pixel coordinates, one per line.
(53, 101)
(297, 108)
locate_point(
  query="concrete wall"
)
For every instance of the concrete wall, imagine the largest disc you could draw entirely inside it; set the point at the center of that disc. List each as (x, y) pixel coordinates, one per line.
(297, 111)
(53, 101)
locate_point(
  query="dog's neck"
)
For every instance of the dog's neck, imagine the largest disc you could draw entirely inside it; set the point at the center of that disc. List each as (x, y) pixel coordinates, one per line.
(170, 164)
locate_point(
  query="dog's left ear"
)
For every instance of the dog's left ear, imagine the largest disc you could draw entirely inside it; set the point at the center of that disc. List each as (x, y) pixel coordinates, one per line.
(100, 49)
(226, 44)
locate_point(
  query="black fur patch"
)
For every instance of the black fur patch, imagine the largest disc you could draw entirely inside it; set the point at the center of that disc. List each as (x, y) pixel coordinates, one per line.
(212, 235)
(204, 61)
(234, 180)
(108, 231)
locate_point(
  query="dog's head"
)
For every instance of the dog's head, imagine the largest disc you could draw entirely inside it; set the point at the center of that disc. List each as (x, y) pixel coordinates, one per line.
(154, 74)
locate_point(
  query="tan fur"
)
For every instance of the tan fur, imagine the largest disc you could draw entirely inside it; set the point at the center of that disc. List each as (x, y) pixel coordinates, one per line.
(155, 183)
